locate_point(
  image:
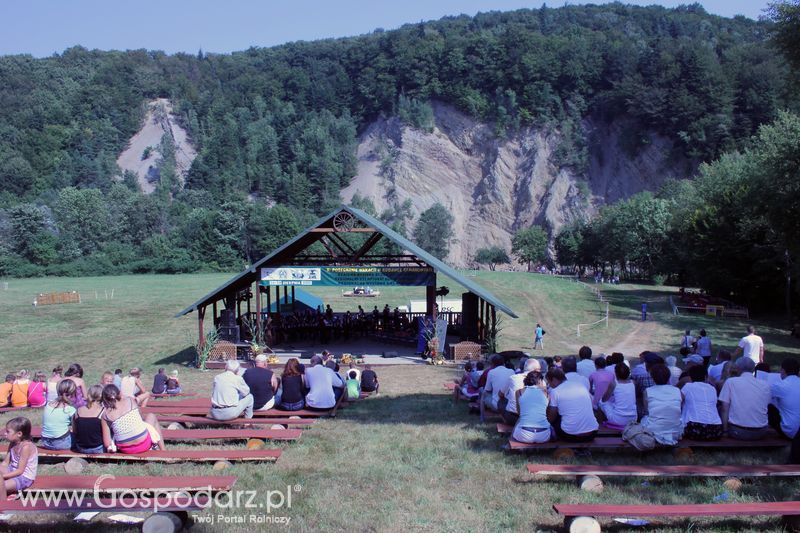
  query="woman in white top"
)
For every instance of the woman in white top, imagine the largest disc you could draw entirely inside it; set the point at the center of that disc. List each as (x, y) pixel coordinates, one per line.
(52, 384)
(663, 407)
(619, 402)
(700, 417)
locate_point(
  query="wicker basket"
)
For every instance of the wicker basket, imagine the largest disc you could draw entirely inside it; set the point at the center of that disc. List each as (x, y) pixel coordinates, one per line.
(222, 351)
(466, 350)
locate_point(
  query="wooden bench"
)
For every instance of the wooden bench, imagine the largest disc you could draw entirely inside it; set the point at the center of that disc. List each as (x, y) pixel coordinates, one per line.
(449, 385)
(162, 409)
(110, 484)
(205, 421)
(54, 298)
(506, 429)
(179, 395)
(572, 511)
(169, 456)
(765, 470)
(617, 442)
(171, 435)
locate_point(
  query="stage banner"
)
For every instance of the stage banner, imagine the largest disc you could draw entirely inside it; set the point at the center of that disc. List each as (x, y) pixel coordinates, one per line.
(348, 276)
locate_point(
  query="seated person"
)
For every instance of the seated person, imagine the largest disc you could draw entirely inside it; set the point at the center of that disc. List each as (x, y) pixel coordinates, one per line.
(19, 391)
(715, 371)
(353, 386)
(675, 372)
(325, 386)
(466, 387)
(107, 379)
(124, 430)
(700, 417)
(173, 383)
(584, 365)
(263, 384)
(118, 378)
(570, 367)
(160, 382)
(496, 380)
(570, 409)
(663, 418)
(57, 418)
(20, 465)
(743, 403)
(37, 390)
(599, 380)
(292, 396)
(531, 401)
(352, 367)
(132, 387)
(230, 396)
(618, 404)
(5, 390)
(87, 427)
(642, 380)
(369, 380)
(516, 382)
(784, 415)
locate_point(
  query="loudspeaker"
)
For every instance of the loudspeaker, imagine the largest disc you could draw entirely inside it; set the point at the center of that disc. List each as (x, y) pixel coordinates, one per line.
(229, 334)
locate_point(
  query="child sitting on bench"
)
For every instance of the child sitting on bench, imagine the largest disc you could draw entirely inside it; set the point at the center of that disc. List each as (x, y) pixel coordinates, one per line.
(22, 460)
(5, 390)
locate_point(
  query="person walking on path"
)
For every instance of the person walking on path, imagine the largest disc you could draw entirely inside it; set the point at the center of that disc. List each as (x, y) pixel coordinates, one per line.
(538, 341)
(644, 311)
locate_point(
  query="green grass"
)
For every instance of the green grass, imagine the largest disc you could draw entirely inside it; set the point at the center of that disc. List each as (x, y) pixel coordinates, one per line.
(408, 459)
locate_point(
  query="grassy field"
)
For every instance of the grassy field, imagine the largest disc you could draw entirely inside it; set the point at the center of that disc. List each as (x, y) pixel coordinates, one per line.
(408, 459)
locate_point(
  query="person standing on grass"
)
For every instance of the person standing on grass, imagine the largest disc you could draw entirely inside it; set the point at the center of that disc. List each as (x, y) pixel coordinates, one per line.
(538, 337)
(644, 311)
(743, 403)
(784, 415)
(704, 347)
(752, 346)
(230, 396)
(687, 340)
(570, 409)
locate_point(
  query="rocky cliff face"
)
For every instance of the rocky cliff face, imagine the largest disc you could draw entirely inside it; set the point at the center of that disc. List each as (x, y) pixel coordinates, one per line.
(142, 154)
(494, 187)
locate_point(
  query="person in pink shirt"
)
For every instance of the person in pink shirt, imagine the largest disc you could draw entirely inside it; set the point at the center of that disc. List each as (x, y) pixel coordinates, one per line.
(599, 380)
(37, 390)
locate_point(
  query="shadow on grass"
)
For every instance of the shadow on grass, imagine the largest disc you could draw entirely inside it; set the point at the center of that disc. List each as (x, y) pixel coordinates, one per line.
(184, 357)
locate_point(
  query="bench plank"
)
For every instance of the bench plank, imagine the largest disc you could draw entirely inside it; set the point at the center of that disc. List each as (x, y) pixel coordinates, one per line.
(216, 434)
(206, 421)
(132, 483)
(170, 456)
(202, 411)
(603, 431)
(766, 470)
(617, 442)
(703, 509)
(128, 505)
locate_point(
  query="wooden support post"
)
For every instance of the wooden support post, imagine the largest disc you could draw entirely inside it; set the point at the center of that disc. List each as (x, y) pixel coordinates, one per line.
(214, 316)
(285, 294)
(278, 299)
(294, 307)
(269, 300)
(430, 301)
(258, 311)
(201, 338)
(494, 321)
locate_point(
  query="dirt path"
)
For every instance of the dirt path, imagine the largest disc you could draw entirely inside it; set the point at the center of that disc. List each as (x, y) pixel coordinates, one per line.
(639, 336)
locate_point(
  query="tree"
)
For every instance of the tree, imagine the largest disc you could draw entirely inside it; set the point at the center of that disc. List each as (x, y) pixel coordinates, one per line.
(786, 32)
(492, 256)
(529, 245)
(568, 245)
(434, 231)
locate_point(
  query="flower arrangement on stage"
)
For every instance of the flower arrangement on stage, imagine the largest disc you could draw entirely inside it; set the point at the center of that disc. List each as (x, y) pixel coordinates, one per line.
(273, 359)
(436, 357)
(346, 359)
